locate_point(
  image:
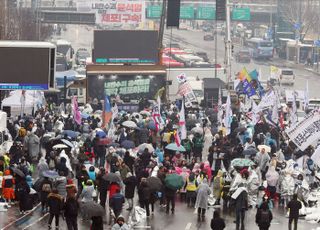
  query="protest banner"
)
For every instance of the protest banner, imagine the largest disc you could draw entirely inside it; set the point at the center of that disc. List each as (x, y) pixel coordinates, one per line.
(306, 132)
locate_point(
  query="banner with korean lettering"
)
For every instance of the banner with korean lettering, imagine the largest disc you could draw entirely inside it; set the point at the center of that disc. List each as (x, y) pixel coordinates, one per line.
(306, 132)
(115, 12)
(185, 90)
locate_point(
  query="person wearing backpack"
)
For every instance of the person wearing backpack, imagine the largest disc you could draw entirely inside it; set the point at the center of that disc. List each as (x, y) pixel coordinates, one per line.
(264, 217)
(197, 146)
(45, 189)
(71, 208)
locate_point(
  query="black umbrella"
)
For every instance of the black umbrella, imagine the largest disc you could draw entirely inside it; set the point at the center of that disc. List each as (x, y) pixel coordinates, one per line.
(18, 172)
(91, 208)
(112, 177)
(154, 183)
(250, 151)
(37, 184)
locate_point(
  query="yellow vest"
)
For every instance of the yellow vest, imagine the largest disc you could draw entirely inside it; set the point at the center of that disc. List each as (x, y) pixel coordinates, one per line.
(191, 186)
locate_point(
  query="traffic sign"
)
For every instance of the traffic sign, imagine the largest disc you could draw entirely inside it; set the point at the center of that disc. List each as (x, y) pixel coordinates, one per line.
(221, 8)
(206, 13)
(297, 26)
(186, 12)
(317, 43)
(241, 14)
(154, 11)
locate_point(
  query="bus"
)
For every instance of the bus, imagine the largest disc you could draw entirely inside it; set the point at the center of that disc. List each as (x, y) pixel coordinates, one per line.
(64, 47)
(260, 48)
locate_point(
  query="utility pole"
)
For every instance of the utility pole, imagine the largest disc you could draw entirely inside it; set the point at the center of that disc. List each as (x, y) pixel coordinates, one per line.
(228, 44)
(161, 26)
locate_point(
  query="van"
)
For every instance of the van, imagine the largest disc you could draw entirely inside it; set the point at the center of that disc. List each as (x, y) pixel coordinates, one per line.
(314, 103)
(287, 77)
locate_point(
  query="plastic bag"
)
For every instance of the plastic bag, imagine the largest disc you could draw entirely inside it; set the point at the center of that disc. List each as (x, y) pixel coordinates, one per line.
(138, 215)
(211, 200)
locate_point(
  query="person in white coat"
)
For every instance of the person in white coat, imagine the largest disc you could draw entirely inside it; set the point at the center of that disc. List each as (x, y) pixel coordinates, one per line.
(203, 192)
(208, 138)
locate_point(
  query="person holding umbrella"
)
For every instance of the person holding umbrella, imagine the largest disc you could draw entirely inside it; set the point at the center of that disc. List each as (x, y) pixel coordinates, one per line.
(116, 203)
(144, 195)
(130, 182)
(22, 193)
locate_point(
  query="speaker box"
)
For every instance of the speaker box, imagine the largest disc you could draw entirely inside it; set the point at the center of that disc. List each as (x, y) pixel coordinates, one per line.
(173, 13)
(7, 109)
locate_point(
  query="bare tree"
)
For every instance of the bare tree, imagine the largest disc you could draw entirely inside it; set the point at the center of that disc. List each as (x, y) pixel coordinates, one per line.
(299, 13)
(20, 24)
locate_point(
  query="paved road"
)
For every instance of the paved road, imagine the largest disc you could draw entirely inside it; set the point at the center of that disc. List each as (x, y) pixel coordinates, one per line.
(183, 219)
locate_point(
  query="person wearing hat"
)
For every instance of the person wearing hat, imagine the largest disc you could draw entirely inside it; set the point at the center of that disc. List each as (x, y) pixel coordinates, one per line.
(120, 224)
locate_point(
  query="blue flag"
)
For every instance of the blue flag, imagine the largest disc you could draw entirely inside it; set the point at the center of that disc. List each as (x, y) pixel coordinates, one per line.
(248, 89)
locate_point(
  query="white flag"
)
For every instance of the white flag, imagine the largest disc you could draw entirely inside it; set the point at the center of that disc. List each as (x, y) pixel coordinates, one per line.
(255, 113)
(220, 110)
(182, 123)
(275, 113)
(306, 96)
(115, 111)
(228, 115)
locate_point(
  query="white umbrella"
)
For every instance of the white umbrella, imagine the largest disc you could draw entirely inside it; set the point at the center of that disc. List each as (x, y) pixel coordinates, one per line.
(265, 147)
(129, 124)
(197, 130)
(146, 113)
(60, 146)
(144, 146)
(136, 116)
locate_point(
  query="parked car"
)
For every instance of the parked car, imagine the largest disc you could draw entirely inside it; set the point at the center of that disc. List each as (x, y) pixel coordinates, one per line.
(208, 37)
(243, 56)
(203, 55)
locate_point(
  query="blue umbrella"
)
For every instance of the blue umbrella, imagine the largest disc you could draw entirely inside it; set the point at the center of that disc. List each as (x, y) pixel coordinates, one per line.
(128, 144)
(70, 133)
(175, 147)
(101, 134)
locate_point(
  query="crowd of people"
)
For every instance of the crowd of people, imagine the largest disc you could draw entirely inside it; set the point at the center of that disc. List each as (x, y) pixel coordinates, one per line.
(70, 167)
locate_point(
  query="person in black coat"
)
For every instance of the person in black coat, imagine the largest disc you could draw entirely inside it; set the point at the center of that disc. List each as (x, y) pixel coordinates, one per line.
(131, 183)
(45, 189)
(170, 198)
(62, 167)
(82, 177)
(217, 223)
(71, 209)
(294, 205)
(144, 195)
(128, 160)
(55, 203)
(241, 208)
(22, 193)
(264, 216)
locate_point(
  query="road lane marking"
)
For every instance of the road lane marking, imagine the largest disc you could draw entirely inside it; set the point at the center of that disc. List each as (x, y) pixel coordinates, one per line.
(38, 220)
(188, 226)
(195, 211)
(15, 221)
